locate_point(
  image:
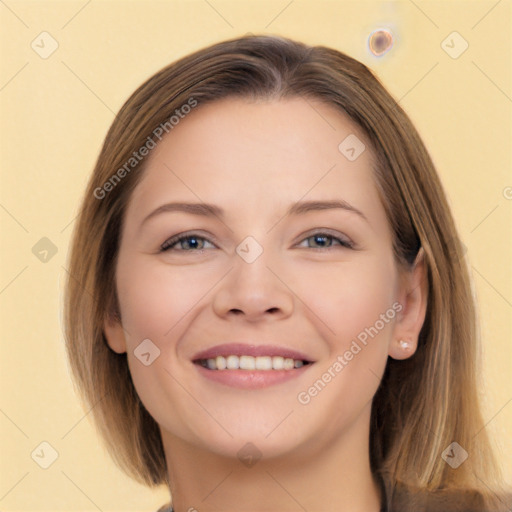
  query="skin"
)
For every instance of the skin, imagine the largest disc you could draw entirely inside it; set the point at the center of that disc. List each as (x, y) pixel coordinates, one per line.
(254, 159)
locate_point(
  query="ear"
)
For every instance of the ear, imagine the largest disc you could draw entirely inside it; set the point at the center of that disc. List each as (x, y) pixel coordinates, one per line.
(413, 297)
(114, 333)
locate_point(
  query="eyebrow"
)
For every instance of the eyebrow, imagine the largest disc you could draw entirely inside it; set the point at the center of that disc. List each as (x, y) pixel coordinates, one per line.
(211, 210)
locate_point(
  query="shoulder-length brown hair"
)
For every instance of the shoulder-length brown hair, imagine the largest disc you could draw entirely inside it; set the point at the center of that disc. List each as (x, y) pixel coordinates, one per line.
(423, 403)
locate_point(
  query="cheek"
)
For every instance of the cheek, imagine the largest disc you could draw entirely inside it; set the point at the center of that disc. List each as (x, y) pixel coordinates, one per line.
(350, 297)
(357, 313)
(159, 302)
(156, 299)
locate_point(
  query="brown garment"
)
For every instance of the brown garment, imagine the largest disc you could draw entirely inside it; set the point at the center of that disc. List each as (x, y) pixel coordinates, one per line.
(402, 498)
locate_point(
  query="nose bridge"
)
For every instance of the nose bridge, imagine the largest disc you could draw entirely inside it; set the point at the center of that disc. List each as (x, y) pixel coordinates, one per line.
(252, 287)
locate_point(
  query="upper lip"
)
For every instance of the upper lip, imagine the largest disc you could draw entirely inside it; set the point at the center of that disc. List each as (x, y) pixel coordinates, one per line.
(248, 349)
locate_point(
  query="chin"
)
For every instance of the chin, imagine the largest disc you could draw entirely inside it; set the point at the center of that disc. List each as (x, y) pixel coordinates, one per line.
(249, 447)
(247, 439)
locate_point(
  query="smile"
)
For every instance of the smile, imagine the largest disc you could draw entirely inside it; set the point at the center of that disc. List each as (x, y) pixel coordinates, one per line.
(250, 366)
(246, 362)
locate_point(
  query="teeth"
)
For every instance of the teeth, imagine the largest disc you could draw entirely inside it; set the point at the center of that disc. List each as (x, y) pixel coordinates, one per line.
(252, 363)
(263, 363)
(232, 362)
(278, 362)
(247, 363)
(288, 364)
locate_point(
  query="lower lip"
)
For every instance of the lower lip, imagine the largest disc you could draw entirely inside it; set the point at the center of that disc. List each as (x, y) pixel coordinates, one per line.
(251, 379)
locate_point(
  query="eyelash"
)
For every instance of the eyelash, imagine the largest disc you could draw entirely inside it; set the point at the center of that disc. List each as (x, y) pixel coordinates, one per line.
(167, 245)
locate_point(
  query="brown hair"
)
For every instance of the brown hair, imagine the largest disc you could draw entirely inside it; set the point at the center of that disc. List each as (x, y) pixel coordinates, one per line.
(423, 403)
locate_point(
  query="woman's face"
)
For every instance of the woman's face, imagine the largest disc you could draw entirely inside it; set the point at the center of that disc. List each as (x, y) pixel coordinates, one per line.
(267, 272)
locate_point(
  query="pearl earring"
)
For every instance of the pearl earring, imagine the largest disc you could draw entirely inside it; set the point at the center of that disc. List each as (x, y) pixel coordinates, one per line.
(405, 345)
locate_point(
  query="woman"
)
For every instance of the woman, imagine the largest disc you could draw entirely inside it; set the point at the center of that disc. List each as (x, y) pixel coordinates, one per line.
(267, 298)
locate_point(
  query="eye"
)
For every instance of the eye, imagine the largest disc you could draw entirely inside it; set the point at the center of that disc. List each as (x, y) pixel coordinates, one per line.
(193, 242)
(187, 241)
(324, 240)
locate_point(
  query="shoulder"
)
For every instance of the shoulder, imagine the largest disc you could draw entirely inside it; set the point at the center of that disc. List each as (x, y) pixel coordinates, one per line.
(407, 499)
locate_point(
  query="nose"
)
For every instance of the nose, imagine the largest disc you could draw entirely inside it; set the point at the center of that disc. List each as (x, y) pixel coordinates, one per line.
(254, 291)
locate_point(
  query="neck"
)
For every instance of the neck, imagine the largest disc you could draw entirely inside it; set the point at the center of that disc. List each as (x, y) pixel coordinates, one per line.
(337, 478)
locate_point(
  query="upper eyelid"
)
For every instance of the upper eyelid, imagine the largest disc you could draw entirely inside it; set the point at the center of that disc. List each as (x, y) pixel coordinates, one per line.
(330, 233)
(189, 234)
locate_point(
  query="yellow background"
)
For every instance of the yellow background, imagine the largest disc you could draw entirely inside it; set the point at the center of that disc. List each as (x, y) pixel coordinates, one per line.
(55, 113)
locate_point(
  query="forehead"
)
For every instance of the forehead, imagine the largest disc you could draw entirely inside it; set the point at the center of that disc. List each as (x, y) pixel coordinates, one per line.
(250, 153)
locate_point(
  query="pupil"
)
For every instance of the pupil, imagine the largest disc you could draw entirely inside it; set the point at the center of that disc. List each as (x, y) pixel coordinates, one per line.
(318, 237)
(192, 241)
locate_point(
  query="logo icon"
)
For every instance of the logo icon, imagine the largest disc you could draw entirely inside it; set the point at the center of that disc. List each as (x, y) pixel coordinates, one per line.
(44, 455)
(44, 250)
(249, 455)
(351, 147)
(44, 45)
(249, 249)
(454, 455)
(454, 45)
(147, 352)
